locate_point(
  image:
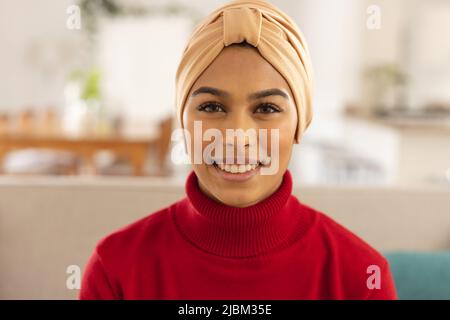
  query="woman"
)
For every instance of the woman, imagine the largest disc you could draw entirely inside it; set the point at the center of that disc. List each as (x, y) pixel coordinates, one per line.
(240, 233)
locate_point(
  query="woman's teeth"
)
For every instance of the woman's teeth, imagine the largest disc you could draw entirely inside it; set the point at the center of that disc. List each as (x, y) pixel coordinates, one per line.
(237, 168)
(241, 168)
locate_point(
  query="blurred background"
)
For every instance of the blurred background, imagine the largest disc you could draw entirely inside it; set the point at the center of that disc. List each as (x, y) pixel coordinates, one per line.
(91, 83)
(87, 111)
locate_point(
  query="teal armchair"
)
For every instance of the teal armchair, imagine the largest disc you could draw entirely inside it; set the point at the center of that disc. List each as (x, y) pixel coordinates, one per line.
(421, 275)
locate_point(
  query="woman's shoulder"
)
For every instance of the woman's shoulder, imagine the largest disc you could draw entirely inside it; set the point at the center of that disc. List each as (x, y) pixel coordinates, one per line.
(336, 237)
(142, 232)
(350, 245)
(359, 267)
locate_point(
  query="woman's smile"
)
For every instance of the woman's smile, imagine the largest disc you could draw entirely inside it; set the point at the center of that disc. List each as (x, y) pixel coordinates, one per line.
(235, 172)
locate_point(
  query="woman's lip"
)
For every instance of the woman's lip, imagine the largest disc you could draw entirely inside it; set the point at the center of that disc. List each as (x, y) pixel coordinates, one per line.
(234, 161)
(235, 176)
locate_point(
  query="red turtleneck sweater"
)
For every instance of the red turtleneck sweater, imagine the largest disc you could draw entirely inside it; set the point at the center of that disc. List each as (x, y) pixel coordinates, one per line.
(198, 248)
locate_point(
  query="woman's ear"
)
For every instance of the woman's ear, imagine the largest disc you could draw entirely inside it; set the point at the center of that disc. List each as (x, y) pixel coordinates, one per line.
(295, 139)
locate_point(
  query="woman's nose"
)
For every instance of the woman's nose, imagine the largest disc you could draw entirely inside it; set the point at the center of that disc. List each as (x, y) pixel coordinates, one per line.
(240, 128)
(239, 119)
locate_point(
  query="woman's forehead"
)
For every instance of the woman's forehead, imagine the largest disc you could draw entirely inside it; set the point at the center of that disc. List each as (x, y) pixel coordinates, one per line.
(238, 69)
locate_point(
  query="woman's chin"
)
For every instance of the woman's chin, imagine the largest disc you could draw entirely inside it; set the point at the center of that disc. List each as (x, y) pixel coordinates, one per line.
(233, 189)
(237, 199)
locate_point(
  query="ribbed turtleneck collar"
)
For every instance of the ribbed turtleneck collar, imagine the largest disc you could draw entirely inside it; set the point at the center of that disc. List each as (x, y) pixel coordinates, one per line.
(229, 231)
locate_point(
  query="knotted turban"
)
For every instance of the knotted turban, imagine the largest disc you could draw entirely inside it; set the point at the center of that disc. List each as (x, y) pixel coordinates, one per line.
(262, 25)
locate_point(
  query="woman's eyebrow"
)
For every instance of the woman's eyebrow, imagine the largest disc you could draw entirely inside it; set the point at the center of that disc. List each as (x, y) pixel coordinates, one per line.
(210, 90)
(253, 96)
(267, 93)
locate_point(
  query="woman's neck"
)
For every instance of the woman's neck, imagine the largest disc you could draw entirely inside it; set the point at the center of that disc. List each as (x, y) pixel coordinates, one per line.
(267, 194)
(236, 232)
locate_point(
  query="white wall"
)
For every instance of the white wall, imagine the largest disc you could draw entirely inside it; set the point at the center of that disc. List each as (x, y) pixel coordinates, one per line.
(430, 53)
(139, 64)
(36, 52)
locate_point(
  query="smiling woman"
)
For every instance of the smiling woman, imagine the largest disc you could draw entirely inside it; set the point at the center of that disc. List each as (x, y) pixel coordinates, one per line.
(237, 101)
(240, 233)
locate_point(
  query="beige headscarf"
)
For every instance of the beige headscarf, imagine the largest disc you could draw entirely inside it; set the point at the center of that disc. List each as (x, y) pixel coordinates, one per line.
(277, 38)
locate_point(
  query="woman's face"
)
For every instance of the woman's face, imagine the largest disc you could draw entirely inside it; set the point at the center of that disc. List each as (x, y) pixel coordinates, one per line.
(235, 92)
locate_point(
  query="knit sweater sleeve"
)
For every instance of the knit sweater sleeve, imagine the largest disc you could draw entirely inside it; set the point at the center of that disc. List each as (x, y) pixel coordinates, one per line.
(96, 284)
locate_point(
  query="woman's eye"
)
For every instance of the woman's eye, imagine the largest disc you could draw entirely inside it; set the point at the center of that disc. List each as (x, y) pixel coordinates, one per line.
(211, 107)
(266, 108)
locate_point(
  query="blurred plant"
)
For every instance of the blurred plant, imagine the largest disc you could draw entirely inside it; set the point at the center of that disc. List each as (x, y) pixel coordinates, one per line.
(85, 112)
(387, 74)
(89, 83)
(93, 9)
(386, 81)
(91, 89)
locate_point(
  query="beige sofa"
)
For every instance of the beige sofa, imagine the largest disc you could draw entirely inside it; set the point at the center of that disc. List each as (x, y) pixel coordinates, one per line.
(47, 225)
